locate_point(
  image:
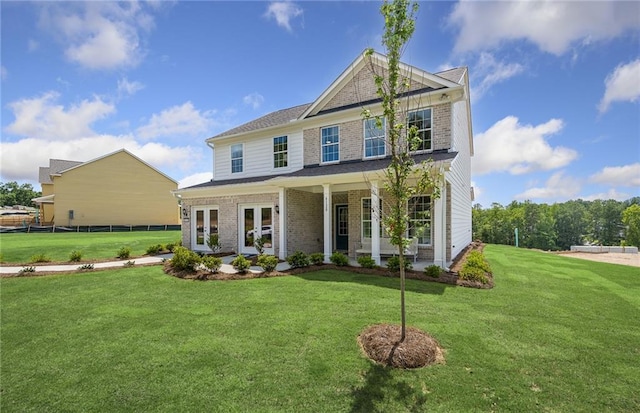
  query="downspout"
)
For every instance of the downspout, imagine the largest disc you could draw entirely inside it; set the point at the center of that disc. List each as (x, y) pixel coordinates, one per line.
(213, 159)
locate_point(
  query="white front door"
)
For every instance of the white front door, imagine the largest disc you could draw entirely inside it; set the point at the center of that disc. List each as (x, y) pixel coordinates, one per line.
(256, 222)
(204, 224)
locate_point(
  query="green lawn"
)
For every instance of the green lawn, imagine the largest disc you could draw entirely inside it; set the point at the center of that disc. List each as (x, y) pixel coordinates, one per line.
(556, 334)
(19, 248)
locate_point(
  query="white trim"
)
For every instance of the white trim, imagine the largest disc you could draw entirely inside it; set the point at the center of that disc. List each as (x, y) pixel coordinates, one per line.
(206, 215)
(327, 212)
(257, 215)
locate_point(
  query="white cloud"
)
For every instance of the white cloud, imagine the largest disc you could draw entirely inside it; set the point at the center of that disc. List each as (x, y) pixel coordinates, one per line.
(558, 187)
(33, 45)
(553, 26)
(283, 12)
(195, 179)
(610, 194)
(21, 159)
(492, 72)
(626, 175)
(4, 73)
(43, 118)
(99, 35)
(254, 100)
(128, 88)
(177, 121)
(518, 149)
(623, 84)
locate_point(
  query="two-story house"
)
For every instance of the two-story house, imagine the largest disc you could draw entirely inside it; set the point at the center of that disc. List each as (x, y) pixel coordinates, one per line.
(310, 177)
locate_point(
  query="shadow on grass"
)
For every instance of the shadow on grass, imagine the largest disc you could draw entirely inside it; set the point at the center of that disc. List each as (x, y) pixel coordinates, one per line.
(416, 286)
(381, 391)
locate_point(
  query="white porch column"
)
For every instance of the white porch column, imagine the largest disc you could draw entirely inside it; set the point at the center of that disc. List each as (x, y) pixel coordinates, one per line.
(282, 223)
(326, 189)
(439, 218)
(375, 223)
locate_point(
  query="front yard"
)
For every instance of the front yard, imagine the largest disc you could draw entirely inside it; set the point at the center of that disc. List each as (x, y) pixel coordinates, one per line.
(555, 334)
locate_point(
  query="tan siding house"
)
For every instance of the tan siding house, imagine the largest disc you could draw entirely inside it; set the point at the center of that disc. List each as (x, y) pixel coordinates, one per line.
(116, 189)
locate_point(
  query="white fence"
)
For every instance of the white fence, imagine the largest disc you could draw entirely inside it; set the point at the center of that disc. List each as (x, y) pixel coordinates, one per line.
(604, 248)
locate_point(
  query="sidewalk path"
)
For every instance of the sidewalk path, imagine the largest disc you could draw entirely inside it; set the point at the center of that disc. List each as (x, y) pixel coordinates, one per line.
(157, 259)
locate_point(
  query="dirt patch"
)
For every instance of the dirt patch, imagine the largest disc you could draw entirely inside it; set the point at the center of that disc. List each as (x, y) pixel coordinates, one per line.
(381, 343)
(607, 257)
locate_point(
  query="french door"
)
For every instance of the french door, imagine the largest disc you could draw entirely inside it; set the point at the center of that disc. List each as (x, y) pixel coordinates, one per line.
(205, 223)
(256, 223)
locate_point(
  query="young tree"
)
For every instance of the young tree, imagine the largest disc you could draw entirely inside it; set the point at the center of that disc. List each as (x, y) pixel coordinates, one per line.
(403, 178)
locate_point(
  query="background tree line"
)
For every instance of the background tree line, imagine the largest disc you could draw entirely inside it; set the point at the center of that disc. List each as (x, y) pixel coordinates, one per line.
(13, 194)
(559, 226)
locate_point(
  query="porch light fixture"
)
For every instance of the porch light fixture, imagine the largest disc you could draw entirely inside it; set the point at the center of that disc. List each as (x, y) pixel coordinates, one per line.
(277, 209)
(444, 96)
(185, 213)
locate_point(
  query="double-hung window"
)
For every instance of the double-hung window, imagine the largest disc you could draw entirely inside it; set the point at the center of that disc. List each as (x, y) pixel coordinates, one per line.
(420, 219)
(374, 138)
(367, 217)
(236, 158)
(330, 142)
(280, 151)
(421, 120)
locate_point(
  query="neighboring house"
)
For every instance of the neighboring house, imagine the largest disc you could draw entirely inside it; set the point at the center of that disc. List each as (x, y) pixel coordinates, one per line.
(306, 178)
(115, 189)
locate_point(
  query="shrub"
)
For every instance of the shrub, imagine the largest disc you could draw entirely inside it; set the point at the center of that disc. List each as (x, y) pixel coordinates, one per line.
(213, 264)
(476, 259)
(124, 253)
(268, 262)
(366, 261)
(154, 249)
(317, 258)
(475, 268)
(393, 264)
(298, 260)
(85, 267)
(170, 246)
(259, 244)
(339, 259)
(184, 259)
(27, 269)
(75, 256)
(241, 264)
(214, 243)
(432, 271)
(40, 258)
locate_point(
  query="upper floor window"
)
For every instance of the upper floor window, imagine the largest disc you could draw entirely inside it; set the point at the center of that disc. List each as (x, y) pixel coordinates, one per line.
(420, 219)
(421, 119)
(236, 158)
(330, 140)
(374, 138)
(280, 151)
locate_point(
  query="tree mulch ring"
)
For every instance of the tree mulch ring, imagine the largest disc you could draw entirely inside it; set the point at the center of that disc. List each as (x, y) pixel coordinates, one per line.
(381, 343)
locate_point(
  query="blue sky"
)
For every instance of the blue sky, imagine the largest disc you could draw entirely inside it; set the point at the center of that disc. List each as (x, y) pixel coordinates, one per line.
(555, 86)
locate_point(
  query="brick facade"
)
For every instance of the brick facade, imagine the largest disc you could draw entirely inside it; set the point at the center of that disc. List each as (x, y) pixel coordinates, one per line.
(305, 220)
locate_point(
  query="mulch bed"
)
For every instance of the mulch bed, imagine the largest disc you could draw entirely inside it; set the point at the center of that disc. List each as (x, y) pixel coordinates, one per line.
(381, 343)
(450, 277)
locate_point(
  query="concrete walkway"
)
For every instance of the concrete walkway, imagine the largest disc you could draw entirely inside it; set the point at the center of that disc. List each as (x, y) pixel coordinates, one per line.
(157, 259)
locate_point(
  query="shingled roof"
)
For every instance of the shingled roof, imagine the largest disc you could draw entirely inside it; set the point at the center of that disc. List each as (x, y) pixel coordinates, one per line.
(55, 166)
(344, 167)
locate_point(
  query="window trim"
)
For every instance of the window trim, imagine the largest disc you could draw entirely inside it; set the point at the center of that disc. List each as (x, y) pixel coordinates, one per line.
(285, 152)
(365, 139)
(323, 145)
(430, 129)
(430, 220)
(362, 220)
(241, 158)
